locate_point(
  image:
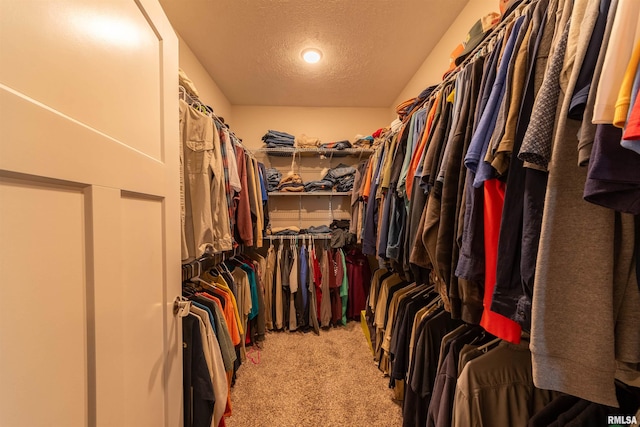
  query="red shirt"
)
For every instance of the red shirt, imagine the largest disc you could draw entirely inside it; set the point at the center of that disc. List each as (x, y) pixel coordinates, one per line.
(494, 323)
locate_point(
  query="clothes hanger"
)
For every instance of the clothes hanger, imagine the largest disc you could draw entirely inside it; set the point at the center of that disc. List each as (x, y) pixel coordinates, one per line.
(223, 268)
(423, 291)
(488, 346)
(435, 302)
(481, 337)
(236, 259)
(197, 280)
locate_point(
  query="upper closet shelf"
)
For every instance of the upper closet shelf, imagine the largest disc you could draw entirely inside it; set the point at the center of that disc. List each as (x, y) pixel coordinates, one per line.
(285, 152)
(323, 236)
(309, 193)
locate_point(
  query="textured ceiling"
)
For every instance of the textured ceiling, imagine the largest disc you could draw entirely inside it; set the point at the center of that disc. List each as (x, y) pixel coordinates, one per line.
(371, 48)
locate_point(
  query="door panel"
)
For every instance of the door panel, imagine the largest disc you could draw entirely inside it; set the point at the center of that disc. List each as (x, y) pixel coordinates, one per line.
(40, 141)
(83, 47)
(141, 244)
(89, 203)
(42, 321)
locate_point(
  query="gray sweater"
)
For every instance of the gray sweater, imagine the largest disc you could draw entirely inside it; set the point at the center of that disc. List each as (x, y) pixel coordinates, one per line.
(585, 302)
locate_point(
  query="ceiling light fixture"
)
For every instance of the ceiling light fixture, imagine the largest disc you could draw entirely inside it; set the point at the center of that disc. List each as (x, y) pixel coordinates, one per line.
(311, 55)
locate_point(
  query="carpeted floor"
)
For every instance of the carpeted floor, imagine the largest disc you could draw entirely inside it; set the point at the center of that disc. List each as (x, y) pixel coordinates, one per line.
(308, 380)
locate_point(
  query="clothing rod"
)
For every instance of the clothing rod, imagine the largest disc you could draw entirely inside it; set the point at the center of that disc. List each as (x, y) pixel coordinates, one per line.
(207, 261)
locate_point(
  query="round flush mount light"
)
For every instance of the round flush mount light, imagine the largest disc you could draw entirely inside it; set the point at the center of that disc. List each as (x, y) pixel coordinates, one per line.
(311, 55)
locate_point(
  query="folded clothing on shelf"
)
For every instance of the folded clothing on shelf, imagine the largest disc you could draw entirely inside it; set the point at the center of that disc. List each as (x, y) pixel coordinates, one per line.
(273, 177)
(292, 188)
(337, 145)
(342, 176)
(291, 183)
(321, 185)
(277, 139)
(363, 141)
(340, 171)
(285, 231)
(318, 229)
(304, 141)
(346, 183)
(340, 223)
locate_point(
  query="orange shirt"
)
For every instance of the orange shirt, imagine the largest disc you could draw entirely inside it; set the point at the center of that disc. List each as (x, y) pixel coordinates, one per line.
(366, 189)
(415, 160)
(227, 311)
(220, 282)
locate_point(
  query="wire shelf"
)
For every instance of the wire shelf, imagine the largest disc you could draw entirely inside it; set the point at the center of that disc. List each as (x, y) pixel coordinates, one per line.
(325, 236)
(309, 193)
(328, 152)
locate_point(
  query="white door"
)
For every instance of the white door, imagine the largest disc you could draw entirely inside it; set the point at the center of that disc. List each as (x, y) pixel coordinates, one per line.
(89, 215)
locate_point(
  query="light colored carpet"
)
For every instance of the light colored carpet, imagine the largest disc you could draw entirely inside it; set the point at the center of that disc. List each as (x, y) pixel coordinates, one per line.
(309, 380)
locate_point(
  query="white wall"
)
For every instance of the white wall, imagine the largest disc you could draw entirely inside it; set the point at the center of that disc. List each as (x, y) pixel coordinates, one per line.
(328, 124)
(437, 62)
(208, 90)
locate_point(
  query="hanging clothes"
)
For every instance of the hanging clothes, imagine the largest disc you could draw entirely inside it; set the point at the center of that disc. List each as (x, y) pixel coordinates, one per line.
(326, 302)
(204, 178)
(359, 279)
(302, 300)
(269, 284)
(221, 185)
(199, 398)
(313, 287)
(486, 193)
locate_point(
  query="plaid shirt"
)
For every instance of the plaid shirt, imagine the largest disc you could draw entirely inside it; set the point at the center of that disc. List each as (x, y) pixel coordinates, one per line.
(227, 186)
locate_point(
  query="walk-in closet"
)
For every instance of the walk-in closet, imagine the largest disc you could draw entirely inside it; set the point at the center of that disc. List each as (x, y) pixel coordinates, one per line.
(415, 213)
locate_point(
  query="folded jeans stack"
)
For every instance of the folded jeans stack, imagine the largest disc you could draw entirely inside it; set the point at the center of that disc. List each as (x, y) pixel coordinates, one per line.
(321, 185)
(342, 176)
(346, 183)
(340, 171)
(277, 139)
(273, 177)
